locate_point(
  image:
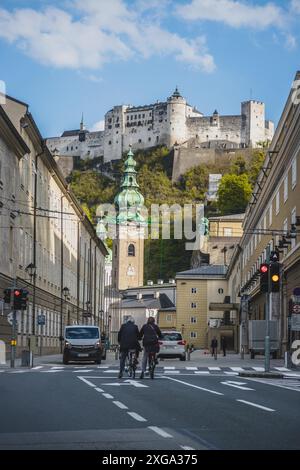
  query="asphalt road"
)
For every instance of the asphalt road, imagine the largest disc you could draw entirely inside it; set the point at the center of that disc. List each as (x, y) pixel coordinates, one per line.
(88, 407)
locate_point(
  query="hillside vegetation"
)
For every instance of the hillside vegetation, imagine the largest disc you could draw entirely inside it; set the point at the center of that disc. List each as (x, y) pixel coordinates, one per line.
(163, 258)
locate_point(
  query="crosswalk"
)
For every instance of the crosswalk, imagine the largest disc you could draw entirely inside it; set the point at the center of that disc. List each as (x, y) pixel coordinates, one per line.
(168, 370)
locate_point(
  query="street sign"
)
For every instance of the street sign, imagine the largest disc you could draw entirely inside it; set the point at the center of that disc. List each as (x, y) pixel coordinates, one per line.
(295, 322)
(296, 308)
(41, 319)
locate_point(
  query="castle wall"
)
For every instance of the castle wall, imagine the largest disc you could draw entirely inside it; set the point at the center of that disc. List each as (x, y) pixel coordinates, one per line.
(228, 128)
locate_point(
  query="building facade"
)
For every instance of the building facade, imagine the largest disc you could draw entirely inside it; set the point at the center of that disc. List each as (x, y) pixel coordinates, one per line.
(48, 244)
(272, 223)
(171, 123)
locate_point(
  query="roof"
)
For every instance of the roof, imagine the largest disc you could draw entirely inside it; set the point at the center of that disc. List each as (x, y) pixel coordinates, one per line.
(71, 133)
(205, 271)
(163, 302)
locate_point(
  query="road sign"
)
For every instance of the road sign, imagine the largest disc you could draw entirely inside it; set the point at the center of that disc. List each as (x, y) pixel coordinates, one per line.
(41, 319)
(295, 322)
(296, 308)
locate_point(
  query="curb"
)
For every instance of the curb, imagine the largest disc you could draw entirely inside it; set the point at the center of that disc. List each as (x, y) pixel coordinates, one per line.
(262, 375)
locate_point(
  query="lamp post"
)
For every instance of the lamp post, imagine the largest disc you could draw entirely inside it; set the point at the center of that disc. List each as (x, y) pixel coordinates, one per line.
(31, 269)
(88, 309)
(65, 292)
(101, 314)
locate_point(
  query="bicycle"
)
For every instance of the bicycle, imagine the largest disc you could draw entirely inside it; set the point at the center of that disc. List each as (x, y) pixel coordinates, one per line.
(131, 363)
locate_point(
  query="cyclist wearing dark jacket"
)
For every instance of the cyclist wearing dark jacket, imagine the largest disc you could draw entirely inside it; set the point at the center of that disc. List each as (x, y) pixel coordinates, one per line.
(150, 334)
(128, 338)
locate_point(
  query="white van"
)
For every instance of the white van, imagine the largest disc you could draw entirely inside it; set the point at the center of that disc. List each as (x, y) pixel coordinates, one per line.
(82, 343)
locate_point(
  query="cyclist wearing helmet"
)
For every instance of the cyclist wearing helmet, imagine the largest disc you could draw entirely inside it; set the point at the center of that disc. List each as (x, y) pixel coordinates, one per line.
(150, 333)
(128, 338)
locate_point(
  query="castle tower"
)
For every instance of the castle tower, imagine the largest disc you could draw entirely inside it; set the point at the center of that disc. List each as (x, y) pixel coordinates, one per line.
(176, 119)
(254, 115)
(128, 246)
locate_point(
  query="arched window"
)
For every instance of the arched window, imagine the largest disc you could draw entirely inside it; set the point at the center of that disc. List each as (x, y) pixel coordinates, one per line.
(131, 250)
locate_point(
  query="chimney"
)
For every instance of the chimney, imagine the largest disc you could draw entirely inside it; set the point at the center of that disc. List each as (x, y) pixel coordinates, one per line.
(171, 281)
(160, 282)
(149, 283)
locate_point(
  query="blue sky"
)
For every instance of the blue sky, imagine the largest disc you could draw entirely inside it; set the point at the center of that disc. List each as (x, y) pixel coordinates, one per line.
(68, 57)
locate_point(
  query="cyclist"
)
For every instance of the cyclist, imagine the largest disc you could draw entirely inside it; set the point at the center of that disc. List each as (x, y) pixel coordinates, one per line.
(128, 338)
(150, 334)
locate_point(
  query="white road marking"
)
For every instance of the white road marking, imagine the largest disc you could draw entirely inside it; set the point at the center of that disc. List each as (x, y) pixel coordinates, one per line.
(107, 395)
(86, 381)
(102, 367)
(120, 405)
(37, 367)
(195, 386)
(134, 383)
(231, 373)
(111, 370)
(160, 432)
(278, 383)
(237, 369)
(282, 369)
(214, 368)
(2, 370)
(187, 448)
(51, 371)
(172, 372)
(256, 405)
(99, 390)
(191, 368)
(19, 371)
(237, 385)
(57, 367)
(169, 368)
(82, 370)
(136, 416)
(259, 369)
(202, 372)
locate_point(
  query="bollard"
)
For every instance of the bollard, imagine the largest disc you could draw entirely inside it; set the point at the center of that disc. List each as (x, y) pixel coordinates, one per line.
(189, 355)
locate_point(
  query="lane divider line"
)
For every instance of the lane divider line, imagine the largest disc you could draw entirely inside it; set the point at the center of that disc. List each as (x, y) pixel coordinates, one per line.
(187, 448)
(99, 390)
(86, 381)
(136, 416)
(160, 432)
(120, 405)
(256, 405)
(195, 386)
(107, 395)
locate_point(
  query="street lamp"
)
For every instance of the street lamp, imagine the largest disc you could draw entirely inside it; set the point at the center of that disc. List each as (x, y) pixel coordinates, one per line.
(31, 270)
(101, 314)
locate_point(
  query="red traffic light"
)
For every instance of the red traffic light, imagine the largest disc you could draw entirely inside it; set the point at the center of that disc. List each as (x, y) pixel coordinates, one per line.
(264, 268)
(17, 293)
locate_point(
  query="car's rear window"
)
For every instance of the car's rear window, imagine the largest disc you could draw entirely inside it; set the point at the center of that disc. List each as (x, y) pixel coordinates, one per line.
(171, 337)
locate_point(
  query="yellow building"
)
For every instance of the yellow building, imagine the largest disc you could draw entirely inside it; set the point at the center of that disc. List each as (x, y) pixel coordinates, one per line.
(197, 290)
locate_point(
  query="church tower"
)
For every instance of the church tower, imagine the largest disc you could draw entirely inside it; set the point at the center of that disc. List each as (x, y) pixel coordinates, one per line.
(128, 246)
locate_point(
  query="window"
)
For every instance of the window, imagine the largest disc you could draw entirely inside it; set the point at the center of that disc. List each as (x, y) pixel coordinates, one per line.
(193, 334)
(193, 305)
(294, 173)
(286, 189)
(131, 250)
(277, 202)
(271, 214)
(169, 318)
(194, 290)
(227, 232)
(193, 320)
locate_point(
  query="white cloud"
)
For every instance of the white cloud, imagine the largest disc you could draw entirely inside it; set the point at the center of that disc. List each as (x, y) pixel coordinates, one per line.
(94, 32)
(235, 13)
(290, 41)
(295, 6)
(98, 126)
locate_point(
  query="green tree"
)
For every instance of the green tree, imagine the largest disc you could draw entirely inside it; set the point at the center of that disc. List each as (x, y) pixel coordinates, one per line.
(234, 194)
(255, 165)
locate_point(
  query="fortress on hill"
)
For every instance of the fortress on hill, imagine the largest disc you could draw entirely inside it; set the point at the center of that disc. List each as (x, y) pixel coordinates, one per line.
(173, 123)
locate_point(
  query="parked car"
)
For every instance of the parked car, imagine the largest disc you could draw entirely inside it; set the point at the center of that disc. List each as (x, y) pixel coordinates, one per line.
(82, 343)
(172, 345)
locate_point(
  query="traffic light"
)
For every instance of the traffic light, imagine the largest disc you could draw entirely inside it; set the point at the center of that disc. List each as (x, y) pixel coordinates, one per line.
(275, 277)
(20, 299)
(264, 277)
(7, 296)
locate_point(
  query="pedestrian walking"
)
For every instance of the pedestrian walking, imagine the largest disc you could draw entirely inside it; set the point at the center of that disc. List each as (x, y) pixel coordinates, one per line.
(214, 347)
(223, 345)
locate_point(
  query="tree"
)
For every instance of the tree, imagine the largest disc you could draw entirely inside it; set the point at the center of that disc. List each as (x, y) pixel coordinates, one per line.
(255, 165)
(234, 194)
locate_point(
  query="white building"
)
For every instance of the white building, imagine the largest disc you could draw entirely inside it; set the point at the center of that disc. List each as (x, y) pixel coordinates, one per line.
(169, 123)
(43, 226)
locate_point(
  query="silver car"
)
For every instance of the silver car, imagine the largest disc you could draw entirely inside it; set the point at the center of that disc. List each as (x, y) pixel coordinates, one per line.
(172, 345)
